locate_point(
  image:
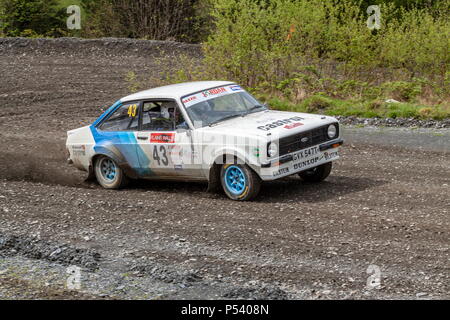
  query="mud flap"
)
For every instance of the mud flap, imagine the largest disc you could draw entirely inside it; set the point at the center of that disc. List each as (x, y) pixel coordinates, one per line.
(91, 175)
(214, 185)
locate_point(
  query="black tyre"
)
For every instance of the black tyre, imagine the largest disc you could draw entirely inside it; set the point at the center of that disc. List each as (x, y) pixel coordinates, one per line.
(239, 182)
(109, 175)
(317, 174)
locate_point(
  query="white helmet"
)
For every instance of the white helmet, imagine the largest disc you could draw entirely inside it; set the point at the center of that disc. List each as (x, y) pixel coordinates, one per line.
(166, 109)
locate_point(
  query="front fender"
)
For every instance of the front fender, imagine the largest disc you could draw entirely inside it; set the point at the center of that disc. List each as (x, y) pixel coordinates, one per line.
(227, 154)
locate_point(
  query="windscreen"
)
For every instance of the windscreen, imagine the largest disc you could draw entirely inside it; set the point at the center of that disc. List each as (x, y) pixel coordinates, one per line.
(219, 104)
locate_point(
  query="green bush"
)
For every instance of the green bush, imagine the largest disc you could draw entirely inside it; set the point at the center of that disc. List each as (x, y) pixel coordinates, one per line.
(418, 43)
(319, 56)
(402, 90)
(31, 18)
(270, 40)
(317, 104)
(296, 49)
(181, 20)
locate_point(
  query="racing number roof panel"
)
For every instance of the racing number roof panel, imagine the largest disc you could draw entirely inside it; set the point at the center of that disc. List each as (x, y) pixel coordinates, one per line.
(175, 91)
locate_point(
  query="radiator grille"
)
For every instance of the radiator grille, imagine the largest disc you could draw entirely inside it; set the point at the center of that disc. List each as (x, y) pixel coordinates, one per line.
(294, 143)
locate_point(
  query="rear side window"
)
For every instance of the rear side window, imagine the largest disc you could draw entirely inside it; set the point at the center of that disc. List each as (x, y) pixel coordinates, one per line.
(125, 118)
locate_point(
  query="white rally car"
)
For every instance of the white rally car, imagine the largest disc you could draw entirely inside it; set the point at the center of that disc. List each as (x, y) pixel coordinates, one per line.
(211, 131)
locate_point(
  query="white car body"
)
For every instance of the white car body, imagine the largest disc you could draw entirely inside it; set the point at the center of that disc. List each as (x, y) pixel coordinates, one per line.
(193, 153)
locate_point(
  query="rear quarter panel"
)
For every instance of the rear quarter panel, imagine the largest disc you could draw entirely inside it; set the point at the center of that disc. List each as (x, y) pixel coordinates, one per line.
(80, 145)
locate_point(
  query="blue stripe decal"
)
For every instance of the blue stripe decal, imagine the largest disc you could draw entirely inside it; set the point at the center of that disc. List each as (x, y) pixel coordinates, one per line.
(107, 112)
(121, 146)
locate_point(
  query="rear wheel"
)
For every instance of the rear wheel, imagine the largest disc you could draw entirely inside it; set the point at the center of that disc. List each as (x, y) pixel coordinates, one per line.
(108, 173)
(240, 182)
(317, 174)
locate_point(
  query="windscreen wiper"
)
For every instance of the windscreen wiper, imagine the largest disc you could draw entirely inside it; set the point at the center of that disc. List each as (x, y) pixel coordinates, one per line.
(258, 106)
(226, 118)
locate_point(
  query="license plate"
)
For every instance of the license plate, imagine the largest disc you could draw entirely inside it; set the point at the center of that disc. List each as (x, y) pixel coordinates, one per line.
(307, 153)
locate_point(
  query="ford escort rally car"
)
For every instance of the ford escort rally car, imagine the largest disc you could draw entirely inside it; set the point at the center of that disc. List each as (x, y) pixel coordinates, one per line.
(210, 131)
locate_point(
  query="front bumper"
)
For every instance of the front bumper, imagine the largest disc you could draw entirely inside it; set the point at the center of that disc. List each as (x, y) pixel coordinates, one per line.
(301, 160)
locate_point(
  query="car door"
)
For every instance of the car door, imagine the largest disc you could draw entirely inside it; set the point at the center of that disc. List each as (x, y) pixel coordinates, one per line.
(165, 140)
(116, 135)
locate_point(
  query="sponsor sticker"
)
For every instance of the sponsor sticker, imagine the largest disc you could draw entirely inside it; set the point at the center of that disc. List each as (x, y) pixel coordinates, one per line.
(294, 125)
(162, 138)
(191, 100)
(79, 150)
(279, 123)
(175, 151)
(311, 156)
(236, 88)
(213, 92)
(266, 120)
(280, 172)
(307, 163)
(330, 155)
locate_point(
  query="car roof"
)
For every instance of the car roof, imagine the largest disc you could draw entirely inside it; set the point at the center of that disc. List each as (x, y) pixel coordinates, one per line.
(175, 91)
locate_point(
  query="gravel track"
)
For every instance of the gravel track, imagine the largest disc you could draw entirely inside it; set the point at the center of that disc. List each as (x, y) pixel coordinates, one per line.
(385, 204)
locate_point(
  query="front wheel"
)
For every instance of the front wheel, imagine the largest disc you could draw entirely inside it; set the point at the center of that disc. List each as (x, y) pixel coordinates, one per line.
(109, 175)
(240, 182)
(317, 174)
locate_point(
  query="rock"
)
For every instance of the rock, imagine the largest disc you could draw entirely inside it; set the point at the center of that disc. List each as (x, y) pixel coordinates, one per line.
(392, 101)
(421, 294)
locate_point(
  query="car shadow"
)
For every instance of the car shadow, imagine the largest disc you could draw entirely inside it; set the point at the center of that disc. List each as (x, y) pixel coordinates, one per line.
(290, 188)
(293, 188)
(168, 186)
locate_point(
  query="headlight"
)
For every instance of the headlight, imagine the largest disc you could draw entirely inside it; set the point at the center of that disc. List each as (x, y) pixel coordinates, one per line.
(332, 131)
(272, 149)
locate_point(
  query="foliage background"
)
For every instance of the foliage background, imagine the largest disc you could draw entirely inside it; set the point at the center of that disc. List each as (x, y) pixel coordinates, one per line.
(31, 18)
(305, 55)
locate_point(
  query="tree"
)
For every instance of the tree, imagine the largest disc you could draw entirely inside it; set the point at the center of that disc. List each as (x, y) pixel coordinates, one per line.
(182, 20)
(406, 4)
(37, 17)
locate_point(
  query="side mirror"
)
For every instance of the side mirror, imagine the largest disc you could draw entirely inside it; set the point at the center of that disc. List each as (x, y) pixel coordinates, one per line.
(182, 128)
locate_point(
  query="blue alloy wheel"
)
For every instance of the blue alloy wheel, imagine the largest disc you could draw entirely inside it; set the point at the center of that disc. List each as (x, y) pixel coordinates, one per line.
(108, 169)
(235, 180)
(108, 173)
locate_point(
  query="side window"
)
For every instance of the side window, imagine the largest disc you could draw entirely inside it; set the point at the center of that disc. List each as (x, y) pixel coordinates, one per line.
(123, 119)
(161, 116)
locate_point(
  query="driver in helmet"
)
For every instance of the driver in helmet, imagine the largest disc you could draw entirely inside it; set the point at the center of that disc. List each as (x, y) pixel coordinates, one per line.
(164, 122)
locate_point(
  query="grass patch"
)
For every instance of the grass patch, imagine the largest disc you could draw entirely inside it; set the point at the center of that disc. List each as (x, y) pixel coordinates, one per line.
(323, 104)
